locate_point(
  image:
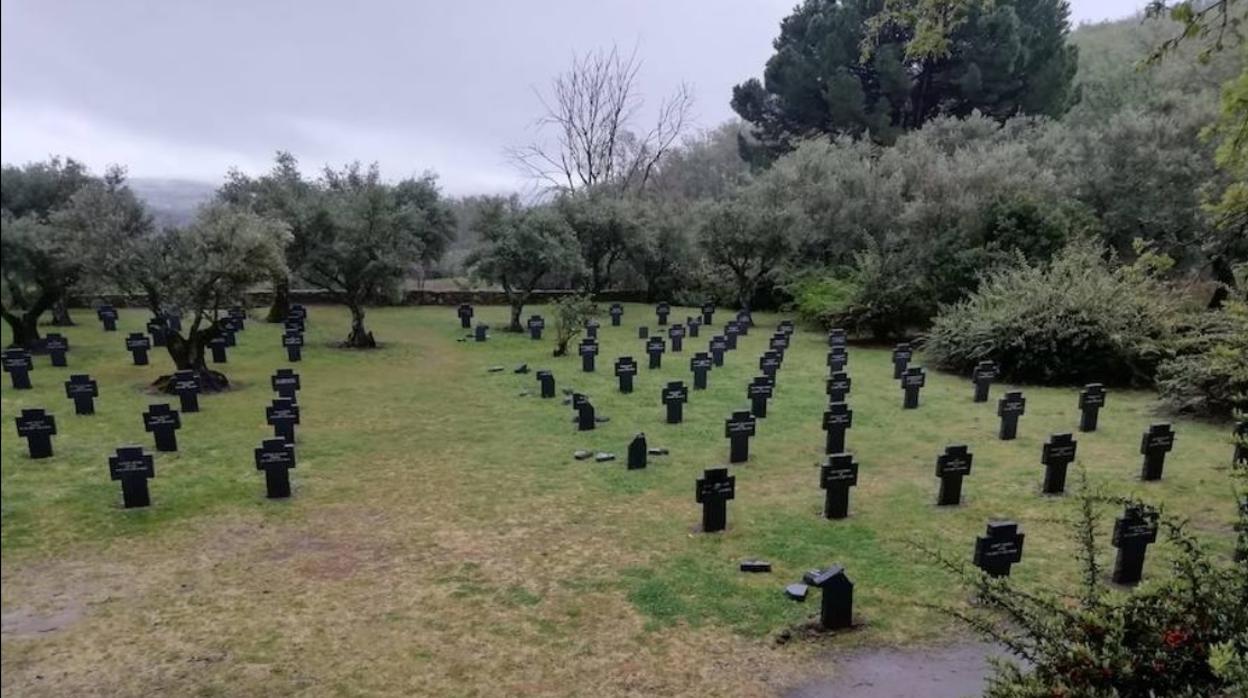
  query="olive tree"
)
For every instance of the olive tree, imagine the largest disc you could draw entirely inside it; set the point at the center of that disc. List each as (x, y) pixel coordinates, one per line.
(35, 274)
(363, 236)
(519, 249)
(747, 237)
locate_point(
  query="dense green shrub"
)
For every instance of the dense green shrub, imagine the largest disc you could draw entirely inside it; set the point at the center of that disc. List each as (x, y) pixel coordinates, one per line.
(1208, 375)
(1080, 317)
(821, 298)
(1184, 634)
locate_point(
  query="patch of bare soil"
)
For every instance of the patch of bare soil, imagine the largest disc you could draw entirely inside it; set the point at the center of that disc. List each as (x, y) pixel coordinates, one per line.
(955, 671)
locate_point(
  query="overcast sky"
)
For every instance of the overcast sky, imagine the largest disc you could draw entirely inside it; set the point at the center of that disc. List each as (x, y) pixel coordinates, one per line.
(185, 89)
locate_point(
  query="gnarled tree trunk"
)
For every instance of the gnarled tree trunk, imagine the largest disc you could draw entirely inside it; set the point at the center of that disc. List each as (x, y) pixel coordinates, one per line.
(25, 330)
(188, 354)
(360, 338)
(60, 313)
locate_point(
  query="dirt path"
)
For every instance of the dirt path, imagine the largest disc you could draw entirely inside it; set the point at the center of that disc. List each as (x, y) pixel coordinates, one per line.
(942, 672)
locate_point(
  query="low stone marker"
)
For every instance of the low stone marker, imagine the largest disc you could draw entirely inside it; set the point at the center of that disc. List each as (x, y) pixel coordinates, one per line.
(1157, 442)
(912, 381)
(83, 390)
(186, 387)
(133, 468)
(1091, 400)
(1058, 453)
(951, 467)
(999, 548)
(838, 473)
(588, 351)
(1010, 407)
(836, 420)
(283, 415)
(163, 422)
(836, 609)
(286, 384)
(18, 363)
(37, 427)
(138, 345)
(738, 429)
(275, 457)
(546, 380)
(57, 347)
(536, 324)
(464, 311)
(714, 490)
(675, 394)
(984, 373)
(700, 365)
(586, 419)
(902, 354)
(637, 452)
(1134, 531)
(481, 332)
(643, 332)
(654, 349)
(108, 316)
(293, 342)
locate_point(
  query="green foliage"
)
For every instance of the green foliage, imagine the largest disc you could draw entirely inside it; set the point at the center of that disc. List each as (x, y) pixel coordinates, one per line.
(822, 298)
(1208, 374)
(882, 67)
(571, 314)
(1183, 635)
(747, 237)
(520, 248)
(603, 226)
(40, 188)
(1078, 318)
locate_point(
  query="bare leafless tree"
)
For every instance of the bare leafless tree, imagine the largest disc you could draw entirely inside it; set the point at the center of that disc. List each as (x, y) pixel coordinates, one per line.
(591, 108)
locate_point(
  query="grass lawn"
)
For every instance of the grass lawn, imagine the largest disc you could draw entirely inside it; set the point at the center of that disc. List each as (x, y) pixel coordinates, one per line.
(442, 540)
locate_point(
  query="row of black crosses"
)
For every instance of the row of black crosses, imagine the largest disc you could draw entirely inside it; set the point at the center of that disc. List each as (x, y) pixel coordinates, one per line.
(131, 465)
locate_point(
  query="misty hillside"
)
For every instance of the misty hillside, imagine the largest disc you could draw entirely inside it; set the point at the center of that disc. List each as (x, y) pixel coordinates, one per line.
(172, 201)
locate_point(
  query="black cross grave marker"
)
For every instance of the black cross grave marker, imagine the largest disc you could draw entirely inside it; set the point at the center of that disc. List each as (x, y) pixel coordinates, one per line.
(982, 376)
(18, 363)
(718, 345)
(83, 390)
(745, 320)
(695, 326)
(157, 327)
(676, 333)
(778, 343)
(1134, 531)
(238, 314)
(293, 342)
(38, 428)
(838, 386)
(588, 349)
(902, 354)
(536, 324)
(638, 452)
(163, 422)
(186, 387)
(732, 330)
(836, 419)
(675, 395)
(700, 365)
(286, 383)
(708, 313)
(1091, 400)
(1010, 407)
(591, 328)
(217, 344)
(625, 370)
(276, 457)
(229, 330)
(133, 468)
(107, 315)
(738, 429)
(57, 346)
(838, 358)
(654, 349)
(138, 345)
(662, 310)
(1057, 454)
(283, 415)
(759, 391)
(464, 311)
(293, 325)
(836, 609)
(951, 467)
(769, 364)
(999, 547)
(546, 380)
(836, 337)
(1157, 442)
(616, 312)
(713, 491)
(173, 321)
(912, 381)
(838, 473)
(297, 313)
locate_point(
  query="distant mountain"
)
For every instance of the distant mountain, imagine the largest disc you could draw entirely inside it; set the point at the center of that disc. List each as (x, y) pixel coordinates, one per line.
(172, 201)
